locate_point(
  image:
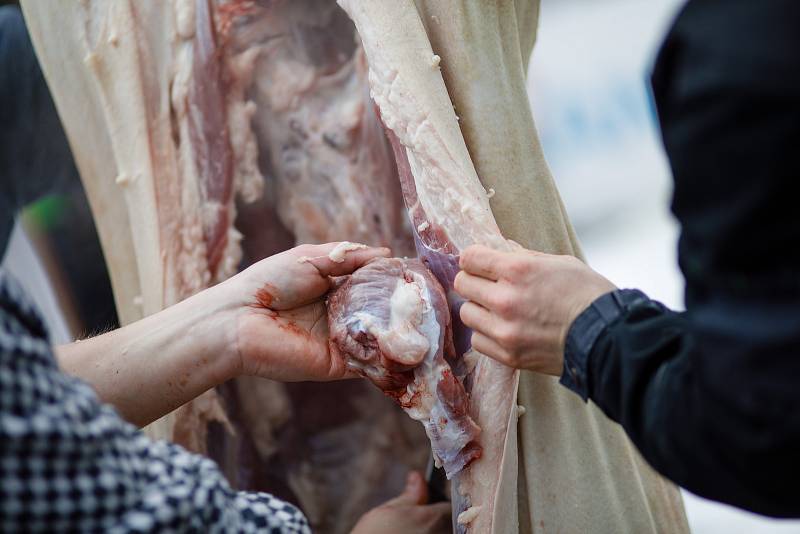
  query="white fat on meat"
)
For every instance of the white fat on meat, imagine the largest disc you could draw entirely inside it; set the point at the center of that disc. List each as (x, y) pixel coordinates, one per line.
(389, 321)
(339, 251)
(447, 439)
(469, 515)
(407, 337)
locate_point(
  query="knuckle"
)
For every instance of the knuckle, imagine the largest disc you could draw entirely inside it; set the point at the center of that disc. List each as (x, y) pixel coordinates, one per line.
(501, 305)
(517, 267)
(509, 337)
(508, 358)
(504, 302)
(466, 257)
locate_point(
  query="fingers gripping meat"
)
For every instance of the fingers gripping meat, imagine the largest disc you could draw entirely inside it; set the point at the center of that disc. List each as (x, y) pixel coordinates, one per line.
(390, 322)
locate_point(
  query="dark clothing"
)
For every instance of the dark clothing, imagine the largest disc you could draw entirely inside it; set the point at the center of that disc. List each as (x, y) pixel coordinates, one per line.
(35, 158)
(711, 396)
(68, 463)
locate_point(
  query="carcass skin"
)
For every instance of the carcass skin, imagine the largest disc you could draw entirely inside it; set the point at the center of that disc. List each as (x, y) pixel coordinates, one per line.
(577, 472)
(167, 166)
(161, 157)
(501, 135)
(390, 322)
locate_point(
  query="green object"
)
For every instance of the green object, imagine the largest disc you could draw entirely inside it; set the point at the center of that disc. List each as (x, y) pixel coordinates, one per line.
(46, 213)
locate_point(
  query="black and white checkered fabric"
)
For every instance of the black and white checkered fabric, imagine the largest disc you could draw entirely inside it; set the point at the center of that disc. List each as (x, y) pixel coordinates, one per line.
(69, 463)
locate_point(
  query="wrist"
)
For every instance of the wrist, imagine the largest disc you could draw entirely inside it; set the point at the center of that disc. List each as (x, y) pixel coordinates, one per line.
(579, 306)
(212, 325)
(152, 366)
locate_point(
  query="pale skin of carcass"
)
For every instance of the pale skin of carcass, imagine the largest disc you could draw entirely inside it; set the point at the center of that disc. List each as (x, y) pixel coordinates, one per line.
(268, 321)
(577, 471)
(112, 82)
(564, 465)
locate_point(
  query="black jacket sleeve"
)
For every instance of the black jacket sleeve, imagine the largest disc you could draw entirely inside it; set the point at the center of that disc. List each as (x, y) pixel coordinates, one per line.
(711, 396)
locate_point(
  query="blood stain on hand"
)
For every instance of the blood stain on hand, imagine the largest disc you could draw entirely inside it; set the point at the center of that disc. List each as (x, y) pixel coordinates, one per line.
(266, 295)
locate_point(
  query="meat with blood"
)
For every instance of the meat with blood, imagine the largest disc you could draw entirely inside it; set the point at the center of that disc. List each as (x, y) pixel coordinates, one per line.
(390, 322)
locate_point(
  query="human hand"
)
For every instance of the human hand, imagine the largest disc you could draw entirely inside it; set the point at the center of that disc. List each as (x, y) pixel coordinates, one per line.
(522, 304)
(282, 325)
(408, 512)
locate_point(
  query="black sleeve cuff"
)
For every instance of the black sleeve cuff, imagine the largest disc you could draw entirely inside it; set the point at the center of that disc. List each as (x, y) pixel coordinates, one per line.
(585, 330)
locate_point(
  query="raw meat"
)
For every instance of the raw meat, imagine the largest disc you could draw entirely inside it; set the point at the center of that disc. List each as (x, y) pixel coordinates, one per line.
(322, 142)
(390, 322)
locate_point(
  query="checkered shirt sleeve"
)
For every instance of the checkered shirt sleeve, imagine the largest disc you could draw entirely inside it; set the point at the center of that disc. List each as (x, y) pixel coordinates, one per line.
(69, 463)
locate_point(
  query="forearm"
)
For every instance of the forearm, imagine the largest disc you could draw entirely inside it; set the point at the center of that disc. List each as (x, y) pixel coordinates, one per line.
(150, 367)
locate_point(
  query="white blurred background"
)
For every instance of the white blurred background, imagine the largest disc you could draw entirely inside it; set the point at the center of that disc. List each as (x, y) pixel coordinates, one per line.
(589, 82)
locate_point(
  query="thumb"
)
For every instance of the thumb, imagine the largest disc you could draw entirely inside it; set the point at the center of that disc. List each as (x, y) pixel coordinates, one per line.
(352, 257)
(415, 492)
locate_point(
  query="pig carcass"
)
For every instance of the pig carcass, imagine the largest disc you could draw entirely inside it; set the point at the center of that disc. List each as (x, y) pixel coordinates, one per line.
(173, 109)
(159, 100)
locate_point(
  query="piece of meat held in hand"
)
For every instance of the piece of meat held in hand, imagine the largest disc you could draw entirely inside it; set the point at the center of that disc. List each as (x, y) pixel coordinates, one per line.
(390, 322)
